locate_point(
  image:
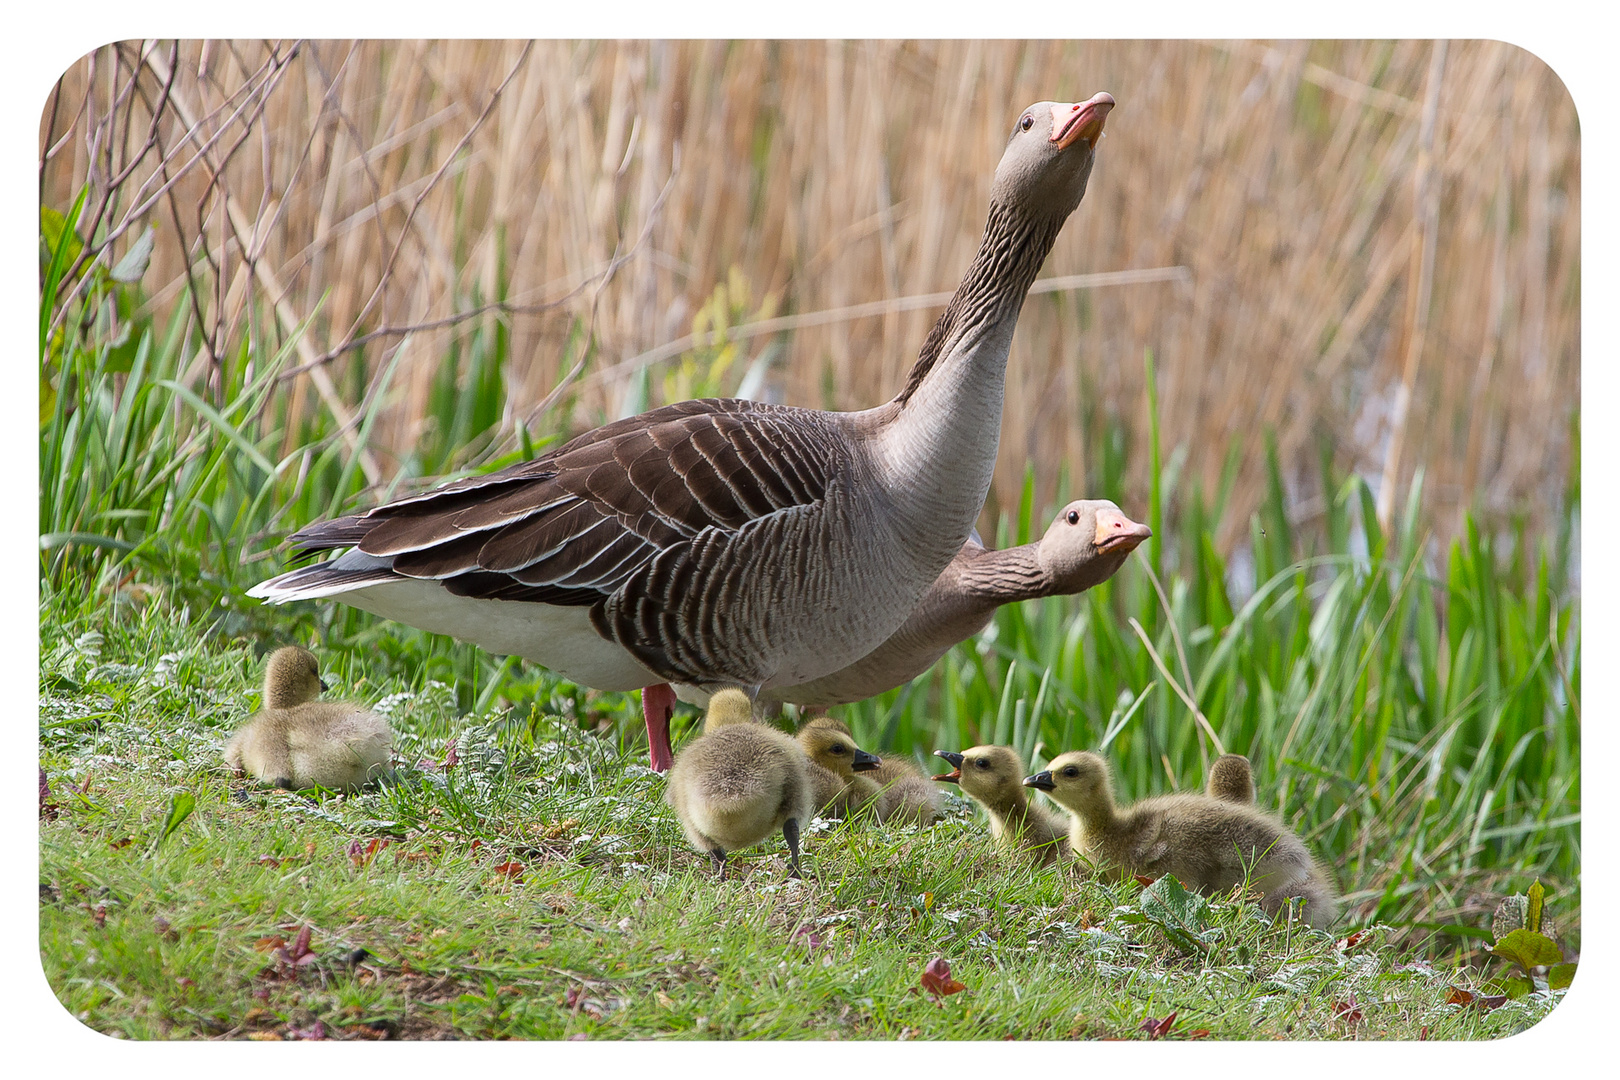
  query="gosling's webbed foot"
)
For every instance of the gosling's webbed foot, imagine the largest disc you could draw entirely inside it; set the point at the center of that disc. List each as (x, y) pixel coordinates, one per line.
(719, 857)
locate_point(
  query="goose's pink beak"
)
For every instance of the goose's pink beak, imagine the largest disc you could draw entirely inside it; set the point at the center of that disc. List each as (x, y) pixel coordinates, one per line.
(1116, 532)
(1081, 120)
(657, 706)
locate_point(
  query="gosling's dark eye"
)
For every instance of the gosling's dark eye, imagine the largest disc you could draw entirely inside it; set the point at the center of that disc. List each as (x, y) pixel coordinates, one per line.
(982, 763)
(1074, 517)
(1071, 772)
(1026, 123)
(838, 749)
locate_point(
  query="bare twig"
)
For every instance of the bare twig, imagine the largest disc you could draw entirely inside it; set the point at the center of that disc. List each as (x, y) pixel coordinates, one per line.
(783, 323)
(455, 152)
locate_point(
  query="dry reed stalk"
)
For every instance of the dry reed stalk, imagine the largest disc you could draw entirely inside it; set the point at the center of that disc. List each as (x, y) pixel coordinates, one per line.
(836, 175)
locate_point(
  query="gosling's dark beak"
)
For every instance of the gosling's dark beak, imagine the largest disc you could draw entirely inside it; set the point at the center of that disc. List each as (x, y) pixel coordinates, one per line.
(324, 686)
(955, 775)
(865, 762)
(1041, 780)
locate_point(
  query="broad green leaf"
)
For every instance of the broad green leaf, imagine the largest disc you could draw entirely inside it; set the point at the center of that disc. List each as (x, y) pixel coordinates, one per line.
(135, 261)
(1528, 949)
(180, 808)
(1182, 915)
(1511, 985)
(1560, 976)
(1532, 918)
(47, 401)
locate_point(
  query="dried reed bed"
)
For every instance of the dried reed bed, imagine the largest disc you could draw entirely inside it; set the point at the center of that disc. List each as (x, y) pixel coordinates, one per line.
(1380, 239)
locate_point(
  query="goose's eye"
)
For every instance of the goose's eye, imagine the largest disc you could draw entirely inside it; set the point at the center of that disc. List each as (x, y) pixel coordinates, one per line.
(1074, 517)
(983, 763)
(838, 749)
(1026, 123)
(1071, 772)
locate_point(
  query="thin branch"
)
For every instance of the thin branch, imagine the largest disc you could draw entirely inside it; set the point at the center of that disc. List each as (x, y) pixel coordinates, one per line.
(455, 152)
(1067, 283)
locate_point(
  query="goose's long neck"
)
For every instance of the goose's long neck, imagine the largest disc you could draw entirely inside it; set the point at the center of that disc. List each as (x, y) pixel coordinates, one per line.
(993, 578)
(968, 592)
(935, 443)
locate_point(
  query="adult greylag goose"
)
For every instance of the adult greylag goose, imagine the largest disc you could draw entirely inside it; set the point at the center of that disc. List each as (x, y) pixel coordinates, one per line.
(296, 742)
(1085, 544)
(738, 782)
(992, 776)
(723, 542)
(1208, 844)
(1231, 779)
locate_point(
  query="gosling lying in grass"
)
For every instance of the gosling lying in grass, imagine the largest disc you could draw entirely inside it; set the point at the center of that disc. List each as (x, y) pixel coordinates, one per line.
(895, 787)
(1208, 844)
(1231, 779)
(836, 768)
(296, 742)
(991, 776)
(738, 782)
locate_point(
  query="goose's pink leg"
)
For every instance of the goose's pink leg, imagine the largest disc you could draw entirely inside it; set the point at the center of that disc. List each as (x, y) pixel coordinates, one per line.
(657, 706)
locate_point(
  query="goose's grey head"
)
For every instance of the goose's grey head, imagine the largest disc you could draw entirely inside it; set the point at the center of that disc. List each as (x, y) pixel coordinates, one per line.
(1086, 543)
(1049, 154)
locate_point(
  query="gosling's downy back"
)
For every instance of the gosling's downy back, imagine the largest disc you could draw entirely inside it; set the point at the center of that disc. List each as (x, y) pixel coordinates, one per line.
(298, 742)
(1207, 843)
(738, 782)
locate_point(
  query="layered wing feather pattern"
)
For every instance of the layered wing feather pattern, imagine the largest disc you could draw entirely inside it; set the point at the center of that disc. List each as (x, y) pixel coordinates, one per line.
(644, 520)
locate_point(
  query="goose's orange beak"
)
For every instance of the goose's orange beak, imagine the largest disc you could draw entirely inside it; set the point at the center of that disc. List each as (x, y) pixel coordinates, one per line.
(1081, 120)
(1117, 532)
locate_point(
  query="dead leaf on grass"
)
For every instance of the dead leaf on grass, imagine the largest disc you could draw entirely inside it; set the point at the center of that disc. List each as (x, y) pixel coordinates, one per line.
(362, 854)
(936, 978)
(1157, 1029)
(1357, 938)
(1349, 1011)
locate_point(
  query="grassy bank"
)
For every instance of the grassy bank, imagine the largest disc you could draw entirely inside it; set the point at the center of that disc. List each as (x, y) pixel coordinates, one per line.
(539, 888)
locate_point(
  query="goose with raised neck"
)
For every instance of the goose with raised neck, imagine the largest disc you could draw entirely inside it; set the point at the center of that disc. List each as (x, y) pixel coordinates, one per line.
(723, 542)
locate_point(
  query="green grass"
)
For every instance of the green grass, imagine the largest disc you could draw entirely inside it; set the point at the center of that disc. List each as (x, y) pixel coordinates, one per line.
(1411, 710)
(614, 928)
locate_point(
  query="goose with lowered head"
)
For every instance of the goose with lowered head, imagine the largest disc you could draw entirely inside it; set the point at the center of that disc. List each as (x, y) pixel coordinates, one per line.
(1085, 544)
(725, 542)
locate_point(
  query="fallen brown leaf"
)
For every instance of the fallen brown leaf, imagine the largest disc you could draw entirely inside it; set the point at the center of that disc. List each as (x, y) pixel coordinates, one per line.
(1157, 1029)
(1346, 944)
(936, 978)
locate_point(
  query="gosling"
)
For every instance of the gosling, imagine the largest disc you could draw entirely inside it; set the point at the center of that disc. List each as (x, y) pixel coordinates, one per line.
(990, 774)
(1231, 780)
(836, 766)
(297, 742)
(1208, 844)
(903, 794)
(738, 782)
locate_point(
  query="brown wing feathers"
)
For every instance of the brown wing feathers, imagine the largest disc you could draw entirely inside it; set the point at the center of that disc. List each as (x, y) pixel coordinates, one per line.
(644, 510)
